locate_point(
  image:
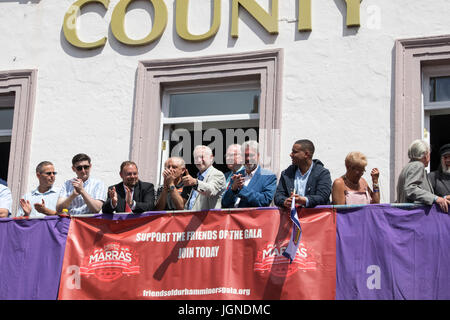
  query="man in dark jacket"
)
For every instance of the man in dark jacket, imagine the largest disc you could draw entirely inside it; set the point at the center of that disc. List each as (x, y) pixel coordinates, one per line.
(306, 179)
(130, 195)
(440, 179)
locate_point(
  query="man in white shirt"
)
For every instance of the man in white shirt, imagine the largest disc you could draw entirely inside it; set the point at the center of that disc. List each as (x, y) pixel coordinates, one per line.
(82, 194)
(42, 200)
(5, 201)
(207, 188)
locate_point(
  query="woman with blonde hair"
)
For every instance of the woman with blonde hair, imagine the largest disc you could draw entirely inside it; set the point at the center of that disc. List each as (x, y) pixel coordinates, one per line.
(352, 188)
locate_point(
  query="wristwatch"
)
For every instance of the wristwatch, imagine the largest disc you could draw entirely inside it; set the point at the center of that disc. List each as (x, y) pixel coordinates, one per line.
(171, 188)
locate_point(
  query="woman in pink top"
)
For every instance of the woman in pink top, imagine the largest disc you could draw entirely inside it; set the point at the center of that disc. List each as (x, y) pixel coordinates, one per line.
(352, 188)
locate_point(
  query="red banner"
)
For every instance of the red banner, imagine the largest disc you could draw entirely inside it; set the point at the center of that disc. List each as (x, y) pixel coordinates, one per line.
(201, 255)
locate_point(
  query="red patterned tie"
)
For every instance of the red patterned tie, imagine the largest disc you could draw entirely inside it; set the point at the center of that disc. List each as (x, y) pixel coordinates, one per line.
(127, 207)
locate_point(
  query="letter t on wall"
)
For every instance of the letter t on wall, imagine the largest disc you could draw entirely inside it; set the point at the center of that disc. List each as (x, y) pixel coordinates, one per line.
(304, 15)
(353, 9)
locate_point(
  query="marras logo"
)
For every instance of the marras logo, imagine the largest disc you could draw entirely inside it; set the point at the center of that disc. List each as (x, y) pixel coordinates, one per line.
(113, 255)
(110, 262)
(271, 258)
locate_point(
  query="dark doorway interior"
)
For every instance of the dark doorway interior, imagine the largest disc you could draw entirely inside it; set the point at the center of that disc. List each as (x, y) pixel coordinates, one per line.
(440, 135)
(218, 164)
(7, 101)
(4, 159)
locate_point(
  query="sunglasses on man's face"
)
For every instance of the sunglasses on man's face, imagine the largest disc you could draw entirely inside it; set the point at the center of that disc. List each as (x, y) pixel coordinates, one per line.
(85, 167)
(50, 173)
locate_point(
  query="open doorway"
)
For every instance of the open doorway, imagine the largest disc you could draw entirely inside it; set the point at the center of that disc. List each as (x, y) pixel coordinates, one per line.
(7, 100)
(439, 135)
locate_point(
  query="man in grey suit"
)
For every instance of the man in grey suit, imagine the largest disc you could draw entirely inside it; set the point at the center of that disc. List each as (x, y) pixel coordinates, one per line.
(209, 184)
(413, 184)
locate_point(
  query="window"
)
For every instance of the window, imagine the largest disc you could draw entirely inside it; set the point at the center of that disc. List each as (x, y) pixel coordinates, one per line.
(6, 122)
(17, 93)
(420, 64)
(220, 115)
(213, 100)
(436, 105)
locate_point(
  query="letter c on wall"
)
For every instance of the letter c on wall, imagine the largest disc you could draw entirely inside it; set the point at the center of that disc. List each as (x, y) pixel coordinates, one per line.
(70, 25)
(118, 20)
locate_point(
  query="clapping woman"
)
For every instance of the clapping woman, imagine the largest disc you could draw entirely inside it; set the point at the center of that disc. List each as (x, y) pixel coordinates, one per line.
(352, 188)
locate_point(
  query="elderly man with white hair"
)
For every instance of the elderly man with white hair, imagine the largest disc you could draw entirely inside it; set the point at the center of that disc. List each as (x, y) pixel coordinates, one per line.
(252, 186)
(413, 184)
(209, 184)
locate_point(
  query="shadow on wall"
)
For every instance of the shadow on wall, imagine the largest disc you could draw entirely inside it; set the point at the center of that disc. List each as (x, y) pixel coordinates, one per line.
(22, 1)
(346, 31)
(393, 178)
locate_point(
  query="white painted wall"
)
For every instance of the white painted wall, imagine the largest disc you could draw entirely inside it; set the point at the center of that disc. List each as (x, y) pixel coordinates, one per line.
(337, 82)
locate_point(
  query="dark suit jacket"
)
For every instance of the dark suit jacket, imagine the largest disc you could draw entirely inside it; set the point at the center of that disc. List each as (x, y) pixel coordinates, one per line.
(258, 193)
(144, 195)
(318, 186)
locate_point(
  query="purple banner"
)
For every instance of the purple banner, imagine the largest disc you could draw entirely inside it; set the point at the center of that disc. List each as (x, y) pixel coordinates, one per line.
(383, 253)
(388, 253)
(31, 256)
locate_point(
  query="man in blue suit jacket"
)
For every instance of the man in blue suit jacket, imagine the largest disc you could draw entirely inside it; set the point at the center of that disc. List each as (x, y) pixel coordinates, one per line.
(251, 186)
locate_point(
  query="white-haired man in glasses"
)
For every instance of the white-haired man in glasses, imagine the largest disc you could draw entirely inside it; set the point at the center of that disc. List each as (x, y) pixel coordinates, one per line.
(42, 200)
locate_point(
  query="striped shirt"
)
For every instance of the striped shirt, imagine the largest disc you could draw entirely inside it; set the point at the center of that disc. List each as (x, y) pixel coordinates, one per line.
(94, 187)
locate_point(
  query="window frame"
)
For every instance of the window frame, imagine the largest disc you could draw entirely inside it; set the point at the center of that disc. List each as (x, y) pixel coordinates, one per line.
(156, 76)
(411, 57)
(23, 84)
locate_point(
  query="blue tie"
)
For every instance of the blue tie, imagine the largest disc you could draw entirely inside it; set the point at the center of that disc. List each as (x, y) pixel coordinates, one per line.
(195, 193)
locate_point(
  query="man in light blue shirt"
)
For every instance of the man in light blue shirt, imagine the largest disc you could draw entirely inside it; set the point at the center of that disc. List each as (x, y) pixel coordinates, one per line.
(5, 201)
(82, 194)
(306, 179)
(41, 201)
(300, 182)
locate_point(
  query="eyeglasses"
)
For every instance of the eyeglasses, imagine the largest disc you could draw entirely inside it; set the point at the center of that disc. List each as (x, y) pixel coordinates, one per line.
(50, 173)
(85, 167)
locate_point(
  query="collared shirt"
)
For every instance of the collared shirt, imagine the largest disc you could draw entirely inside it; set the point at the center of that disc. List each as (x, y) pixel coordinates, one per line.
(94, 187)
(50, 198)
(194, 194)
(301, 181)
(5, 198)
(247, 178)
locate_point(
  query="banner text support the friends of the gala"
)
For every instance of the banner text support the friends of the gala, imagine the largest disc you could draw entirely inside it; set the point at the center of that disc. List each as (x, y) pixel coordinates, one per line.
(201, 255)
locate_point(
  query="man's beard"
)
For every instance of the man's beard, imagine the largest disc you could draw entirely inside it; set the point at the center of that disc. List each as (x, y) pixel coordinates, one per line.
(445, 169)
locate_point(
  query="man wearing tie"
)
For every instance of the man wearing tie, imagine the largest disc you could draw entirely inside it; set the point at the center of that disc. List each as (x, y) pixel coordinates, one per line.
(209, 184)
(130, 195)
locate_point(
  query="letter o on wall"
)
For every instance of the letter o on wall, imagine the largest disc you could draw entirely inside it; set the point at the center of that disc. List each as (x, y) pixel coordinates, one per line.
(118, 23)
